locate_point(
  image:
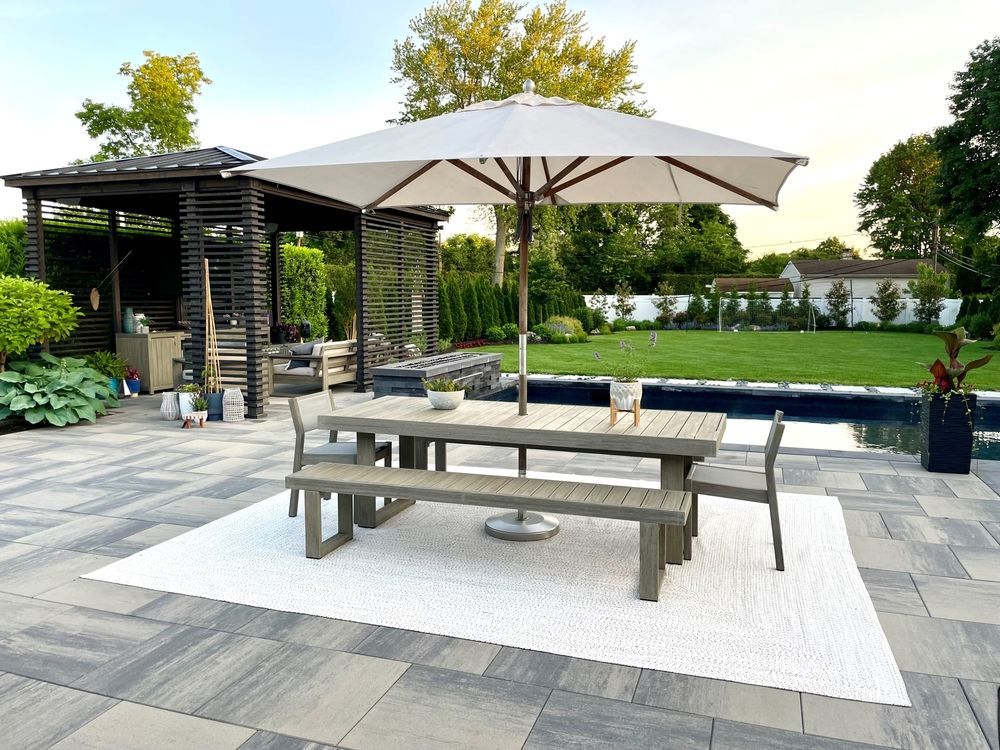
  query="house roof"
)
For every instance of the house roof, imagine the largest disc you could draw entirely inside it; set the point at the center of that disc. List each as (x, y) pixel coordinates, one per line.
(859, 268)
(215, 157)
(727, 283)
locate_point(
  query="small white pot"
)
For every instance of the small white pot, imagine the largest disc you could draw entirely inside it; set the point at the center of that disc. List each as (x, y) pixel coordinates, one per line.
(198, 418)
(624, 395)
(185, 401)
(446, 399)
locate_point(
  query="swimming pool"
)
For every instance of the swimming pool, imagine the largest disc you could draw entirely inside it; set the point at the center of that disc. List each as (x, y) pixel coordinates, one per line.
(820, 421)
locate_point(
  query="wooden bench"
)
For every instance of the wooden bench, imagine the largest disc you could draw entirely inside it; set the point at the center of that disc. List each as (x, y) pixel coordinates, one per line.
(664, 516)
(337, 362)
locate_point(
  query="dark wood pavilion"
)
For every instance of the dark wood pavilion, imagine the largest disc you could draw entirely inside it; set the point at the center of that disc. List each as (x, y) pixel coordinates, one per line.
(138, 229)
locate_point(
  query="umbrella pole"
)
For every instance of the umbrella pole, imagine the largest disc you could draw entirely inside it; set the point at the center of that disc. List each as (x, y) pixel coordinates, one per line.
(518, 525)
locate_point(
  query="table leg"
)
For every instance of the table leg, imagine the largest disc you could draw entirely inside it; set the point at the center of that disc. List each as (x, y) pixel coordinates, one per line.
(409, 457)
(440, 455)
(364, 505)
(407, 451)
(672, 475)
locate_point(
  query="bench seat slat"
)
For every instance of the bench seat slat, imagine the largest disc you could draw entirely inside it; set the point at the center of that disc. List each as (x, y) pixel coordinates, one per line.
(547, 495)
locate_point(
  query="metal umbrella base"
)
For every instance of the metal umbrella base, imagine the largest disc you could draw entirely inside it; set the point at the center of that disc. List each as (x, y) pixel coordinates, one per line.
(518, 526)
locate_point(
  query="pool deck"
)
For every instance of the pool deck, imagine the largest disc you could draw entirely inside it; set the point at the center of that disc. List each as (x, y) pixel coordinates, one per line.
(74, 500)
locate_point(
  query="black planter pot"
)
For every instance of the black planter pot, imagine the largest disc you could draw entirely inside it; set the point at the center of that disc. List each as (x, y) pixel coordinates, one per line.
(214, 407)
(946, 427)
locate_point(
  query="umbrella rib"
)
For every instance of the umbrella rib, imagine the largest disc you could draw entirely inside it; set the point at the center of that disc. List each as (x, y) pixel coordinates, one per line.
(587, 175)
(544, 190)
(510, 175)
(717, 181)
(400, 185)
(482, 178)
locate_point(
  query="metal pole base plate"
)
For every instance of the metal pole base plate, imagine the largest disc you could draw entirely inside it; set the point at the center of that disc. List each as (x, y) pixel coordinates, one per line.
(531, 528)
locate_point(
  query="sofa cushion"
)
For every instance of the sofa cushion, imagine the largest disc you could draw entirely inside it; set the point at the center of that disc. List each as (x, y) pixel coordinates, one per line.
(304, 371)
(306, 348)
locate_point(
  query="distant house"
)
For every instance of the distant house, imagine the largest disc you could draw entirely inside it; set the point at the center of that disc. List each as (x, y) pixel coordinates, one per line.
(861, 276)
(774, 287)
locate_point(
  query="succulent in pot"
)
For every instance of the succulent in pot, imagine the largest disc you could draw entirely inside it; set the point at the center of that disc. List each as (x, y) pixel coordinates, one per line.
(444, 393)
(199, 413)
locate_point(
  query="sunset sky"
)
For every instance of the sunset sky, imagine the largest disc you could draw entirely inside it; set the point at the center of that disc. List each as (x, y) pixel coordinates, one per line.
(840, 82)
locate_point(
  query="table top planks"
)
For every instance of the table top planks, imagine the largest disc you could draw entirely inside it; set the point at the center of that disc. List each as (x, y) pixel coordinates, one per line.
(549, 426)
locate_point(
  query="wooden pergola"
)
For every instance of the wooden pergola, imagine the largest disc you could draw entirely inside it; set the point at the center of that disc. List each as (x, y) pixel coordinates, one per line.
(140, 229)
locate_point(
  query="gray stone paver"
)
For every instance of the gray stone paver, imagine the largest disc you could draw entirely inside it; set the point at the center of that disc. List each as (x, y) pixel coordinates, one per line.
(94, 494)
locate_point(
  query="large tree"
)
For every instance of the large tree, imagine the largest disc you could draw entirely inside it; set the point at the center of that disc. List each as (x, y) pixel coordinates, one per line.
(772, 264)
(970, 146)
(160, 115)
(897, 201)
(467, 254)
(462, 53)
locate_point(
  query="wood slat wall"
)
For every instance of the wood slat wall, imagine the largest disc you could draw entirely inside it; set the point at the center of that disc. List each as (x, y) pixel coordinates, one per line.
(397, 291)
(226, 226)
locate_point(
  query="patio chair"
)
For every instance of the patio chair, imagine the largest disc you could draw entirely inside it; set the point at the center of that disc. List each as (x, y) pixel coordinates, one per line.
(305, 411)
(743, 483)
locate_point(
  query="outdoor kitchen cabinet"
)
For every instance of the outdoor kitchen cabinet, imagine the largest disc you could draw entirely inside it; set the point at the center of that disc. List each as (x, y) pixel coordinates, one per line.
(152, 354)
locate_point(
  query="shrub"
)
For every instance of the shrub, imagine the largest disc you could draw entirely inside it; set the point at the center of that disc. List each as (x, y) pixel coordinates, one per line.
(459, 321)
(980, 325)
(681, 318)
(340, 279)
(624, 303)
(60, 391)
(445, 329)
(605, 329)
(930, 290)
(544, 333)
(996, 336)
(109, 364)
(887, 302)
(495, 333)
(696, 308)
(838, 305)
(32, 313)
(866, 325)
(917, 326)
(664, 302)
(443, 345)
(564, 324)
(304, 288)
(586, 317)
(510, 331)
(13, 238)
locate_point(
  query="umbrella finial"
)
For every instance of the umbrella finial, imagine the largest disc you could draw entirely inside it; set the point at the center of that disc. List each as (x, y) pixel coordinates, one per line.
(529, 86)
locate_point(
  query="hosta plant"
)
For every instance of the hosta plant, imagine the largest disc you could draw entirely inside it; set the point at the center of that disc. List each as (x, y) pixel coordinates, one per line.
(56, 391)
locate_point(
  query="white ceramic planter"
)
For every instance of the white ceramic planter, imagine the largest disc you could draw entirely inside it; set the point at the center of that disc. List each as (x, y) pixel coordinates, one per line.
(624, 395)
(446, 399)
(185, 402)
(199, 418)
(170, 409)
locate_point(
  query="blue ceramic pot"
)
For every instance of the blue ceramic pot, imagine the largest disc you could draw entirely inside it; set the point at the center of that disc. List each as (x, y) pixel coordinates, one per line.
(113, 385)
(214, 407)
(133, 385)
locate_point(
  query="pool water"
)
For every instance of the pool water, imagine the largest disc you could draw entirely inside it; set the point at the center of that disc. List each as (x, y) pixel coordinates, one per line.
(818, 421)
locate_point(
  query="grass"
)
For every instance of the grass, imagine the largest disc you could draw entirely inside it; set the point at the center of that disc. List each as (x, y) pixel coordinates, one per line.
(841, 357)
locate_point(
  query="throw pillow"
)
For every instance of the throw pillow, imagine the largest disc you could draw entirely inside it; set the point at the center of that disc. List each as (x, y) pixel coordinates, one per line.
(306, 348)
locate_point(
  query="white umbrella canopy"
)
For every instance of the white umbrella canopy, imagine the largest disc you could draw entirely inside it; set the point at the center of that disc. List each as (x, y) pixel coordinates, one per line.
(470, 157)
(530, 150)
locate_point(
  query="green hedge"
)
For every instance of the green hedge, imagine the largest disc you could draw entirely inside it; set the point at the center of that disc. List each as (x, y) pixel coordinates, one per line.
(304, 288)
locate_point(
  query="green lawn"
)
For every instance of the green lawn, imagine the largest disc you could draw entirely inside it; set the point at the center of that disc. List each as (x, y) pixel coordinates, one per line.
(843, 357)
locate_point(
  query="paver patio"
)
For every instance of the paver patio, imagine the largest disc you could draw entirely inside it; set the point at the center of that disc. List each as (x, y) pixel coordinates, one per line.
(86, 663)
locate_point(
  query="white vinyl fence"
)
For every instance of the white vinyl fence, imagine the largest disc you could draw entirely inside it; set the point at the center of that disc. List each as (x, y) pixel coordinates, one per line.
(646, 310)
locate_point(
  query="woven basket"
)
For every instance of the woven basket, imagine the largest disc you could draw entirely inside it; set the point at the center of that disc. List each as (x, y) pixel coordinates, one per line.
(232, 405)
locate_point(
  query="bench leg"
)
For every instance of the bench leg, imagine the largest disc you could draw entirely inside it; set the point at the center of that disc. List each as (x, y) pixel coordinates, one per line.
(650, 573)
(694, 514)
(440, 455)
(364, 505)
(688, 526)
(661, 538)
(316, 545)
(675, 545)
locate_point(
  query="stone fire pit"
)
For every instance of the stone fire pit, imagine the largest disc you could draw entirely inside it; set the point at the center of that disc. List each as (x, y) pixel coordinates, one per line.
(480, 373)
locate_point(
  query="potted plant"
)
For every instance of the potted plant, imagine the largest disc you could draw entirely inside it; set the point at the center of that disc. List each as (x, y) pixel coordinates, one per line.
(444, 393)
(213, 393)
(286, 333)
(186, 394)
(133, 380)
(626, 390)
(947, 409)
(199, 413)
(110, 365)
(142, 324)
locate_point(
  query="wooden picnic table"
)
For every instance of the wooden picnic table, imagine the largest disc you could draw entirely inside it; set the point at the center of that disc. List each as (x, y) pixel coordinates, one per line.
(676, 438)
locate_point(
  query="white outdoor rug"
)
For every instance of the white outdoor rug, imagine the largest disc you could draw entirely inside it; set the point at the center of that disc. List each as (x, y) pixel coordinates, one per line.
(726, 614)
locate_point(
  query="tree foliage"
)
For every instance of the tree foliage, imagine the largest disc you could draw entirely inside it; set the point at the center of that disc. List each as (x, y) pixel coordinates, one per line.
(772, 264)
(13, 238)
(930, 289)
(887, 302)
(467, 253)
(32, 313)
(460, 53)
(897, 201)
(839, 303)
(160, 115)
(969, 147)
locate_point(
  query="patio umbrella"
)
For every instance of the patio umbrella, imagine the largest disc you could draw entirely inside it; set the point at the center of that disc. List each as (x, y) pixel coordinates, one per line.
(530, 150)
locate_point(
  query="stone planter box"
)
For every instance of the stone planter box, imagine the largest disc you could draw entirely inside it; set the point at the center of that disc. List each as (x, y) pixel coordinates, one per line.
(478, 373)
